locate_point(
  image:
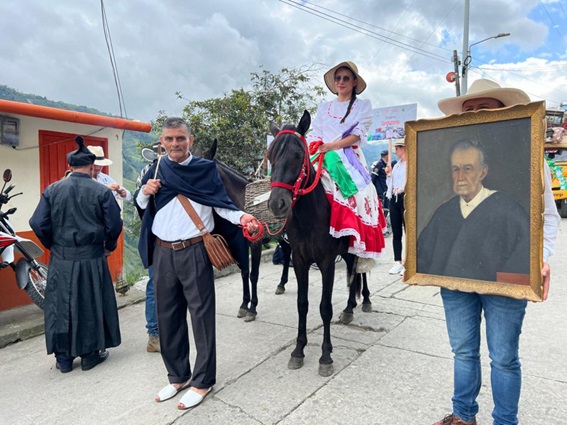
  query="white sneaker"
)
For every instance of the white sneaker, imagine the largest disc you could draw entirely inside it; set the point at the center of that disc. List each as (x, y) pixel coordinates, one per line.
(403, 271)
(397, 268)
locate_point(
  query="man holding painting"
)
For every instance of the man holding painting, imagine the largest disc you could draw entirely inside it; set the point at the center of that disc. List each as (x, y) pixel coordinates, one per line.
(463, 311)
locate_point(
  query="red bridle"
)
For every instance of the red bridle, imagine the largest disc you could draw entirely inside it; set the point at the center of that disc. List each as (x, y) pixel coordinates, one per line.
(296, 189)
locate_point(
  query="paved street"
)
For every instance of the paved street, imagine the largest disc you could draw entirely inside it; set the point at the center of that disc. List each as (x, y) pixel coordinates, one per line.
(392, 366)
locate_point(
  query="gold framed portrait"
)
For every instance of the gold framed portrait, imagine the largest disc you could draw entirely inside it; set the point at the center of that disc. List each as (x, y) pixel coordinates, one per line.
(474, 201)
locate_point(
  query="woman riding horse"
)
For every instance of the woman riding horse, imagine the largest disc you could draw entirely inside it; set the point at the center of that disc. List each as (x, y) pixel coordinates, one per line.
(339, 129)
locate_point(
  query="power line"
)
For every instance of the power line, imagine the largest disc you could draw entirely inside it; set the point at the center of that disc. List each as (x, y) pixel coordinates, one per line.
(366, 32)
(408, 61)
(392, 32)
(553, 23)
(110, 48)
(380, 28)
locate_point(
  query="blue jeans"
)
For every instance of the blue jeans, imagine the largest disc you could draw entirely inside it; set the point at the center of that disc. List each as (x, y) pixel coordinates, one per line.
(151, 312)
(504, 317)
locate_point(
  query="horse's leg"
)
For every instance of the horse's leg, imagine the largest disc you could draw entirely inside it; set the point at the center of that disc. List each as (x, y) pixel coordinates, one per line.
(244, 274)
(240, 249)
(326, 310)
(286, 251)
(348, 313)
(256, 256)
(366, 303)
(301, 269)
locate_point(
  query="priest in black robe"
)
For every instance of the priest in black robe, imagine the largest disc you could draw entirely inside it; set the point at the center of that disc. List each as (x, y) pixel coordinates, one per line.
(78, 219)
(479, 232)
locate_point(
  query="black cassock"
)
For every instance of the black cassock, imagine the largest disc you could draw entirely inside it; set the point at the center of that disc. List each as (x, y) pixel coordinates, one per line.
(495, 237)
(77, 219)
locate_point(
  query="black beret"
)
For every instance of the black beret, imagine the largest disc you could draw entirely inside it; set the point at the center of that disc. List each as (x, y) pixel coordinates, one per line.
(82, 156)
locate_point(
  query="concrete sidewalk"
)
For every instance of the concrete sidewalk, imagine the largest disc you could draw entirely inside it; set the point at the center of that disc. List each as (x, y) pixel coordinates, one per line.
(392, 366)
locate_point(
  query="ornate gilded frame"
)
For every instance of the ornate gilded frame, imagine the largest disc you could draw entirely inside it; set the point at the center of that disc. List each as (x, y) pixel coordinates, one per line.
(427, 146)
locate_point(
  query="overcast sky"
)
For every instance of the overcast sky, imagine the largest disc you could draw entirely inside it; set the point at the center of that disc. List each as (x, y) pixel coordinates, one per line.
(204, 49)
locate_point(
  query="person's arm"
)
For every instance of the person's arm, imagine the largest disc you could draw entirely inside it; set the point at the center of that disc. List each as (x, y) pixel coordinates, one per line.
(362, 114)
(239, 217)
(121, 193)
(40, 221)
(112, 221)
(551, 220)
(151, 187)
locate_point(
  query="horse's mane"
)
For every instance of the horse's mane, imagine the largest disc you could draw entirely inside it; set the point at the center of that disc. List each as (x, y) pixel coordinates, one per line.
(233, 173)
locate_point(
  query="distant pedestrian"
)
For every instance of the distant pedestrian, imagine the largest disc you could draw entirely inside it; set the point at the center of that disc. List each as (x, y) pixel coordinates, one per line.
(77, 219)
(120, 192)
(379, 176)
(395, 194)
(153, 345)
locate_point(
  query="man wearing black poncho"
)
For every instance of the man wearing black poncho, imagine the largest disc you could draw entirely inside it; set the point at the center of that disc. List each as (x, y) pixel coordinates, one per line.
(183, 274)
(77, 219)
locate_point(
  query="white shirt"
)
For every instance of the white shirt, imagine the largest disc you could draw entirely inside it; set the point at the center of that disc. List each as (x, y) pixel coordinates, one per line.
(327, 123)
(397, 180)
(468, 207)
(105, 179)
(172, 223)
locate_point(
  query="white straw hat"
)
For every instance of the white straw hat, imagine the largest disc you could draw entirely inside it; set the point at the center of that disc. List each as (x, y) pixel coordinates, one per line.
(330, 77)
(484, 88)
(99, 152)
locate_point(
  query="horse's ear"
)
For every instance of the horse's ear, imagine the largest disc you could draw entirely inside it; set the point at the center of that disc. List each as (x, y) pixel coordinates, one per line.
(274, 129)
(213, 150)
(304, 123)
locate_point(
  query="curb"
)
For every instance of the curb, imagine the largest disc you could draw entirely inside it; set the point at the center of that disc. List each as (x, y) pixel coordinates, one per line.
(27, 322)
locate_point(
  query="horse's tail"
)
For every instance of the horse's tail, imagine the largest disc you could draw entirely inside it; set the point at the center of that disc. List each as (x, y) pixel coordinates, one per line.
(359, 285)
(351, 274)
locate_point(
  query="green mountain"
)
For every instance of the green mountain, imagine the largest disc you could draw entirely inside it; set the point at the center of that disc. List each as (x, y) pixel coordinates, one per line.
(132, 163)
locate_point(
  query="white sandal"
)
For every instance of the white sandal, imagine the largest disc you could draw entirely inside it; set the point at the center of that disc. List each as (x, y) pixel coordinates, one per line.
(169, 391)
(192, 399)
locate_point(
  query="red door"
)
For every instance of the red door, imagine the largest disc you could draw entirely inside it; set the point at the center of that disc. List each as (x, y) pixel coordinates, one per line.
(53, 149)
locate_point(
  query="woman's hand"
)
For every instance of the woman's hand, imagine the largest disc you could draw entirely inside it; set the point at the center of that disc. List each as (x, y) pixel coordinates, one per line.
(326, 147)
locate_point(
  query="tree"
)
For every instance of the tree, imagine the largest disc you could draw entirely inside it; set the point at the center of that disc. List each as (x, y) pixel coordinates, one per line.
(240, 119)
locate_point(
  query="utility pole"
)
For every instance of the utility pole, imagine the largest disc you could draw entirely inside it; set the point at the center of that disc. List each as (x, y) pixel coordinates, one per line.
(465, 47)
(456, 63)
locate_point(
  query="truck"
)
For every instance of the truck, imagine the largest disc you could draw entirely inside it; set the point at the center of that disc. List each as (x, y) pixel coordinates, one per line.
(556, 156)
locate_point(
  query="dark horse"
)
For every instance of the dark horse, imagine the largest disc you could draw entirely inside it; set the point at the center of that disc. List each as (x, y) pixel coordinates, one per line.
(295, 197)
(235, 185)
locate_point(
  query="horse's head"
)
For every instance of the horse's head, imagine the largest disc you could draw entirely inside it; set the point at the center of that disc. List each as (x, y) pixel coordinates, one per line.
(287, 154)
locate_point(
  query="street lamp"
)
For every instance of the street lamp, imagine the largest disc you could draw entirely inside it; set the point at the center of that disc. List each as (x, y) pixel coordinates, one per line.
(468, 59)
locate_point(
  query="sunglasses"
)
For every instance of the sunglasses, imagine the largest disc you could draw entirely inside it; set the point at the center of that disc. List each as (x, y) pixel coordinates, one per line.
(345, 78)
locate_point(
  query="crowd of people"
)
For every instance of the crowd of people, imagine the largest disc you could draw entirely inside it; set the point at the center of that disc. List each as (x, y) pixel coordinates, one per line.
(78, 219)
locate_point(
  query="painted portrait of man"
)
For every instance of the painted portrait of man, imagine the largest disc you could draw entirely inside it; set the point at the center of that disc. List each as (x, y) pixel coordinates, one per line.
(479, 233)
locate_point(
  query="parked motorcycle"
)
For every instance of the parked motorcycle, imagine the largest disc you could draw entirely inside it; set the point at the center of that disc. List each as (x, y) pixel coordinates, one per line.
(31, 275)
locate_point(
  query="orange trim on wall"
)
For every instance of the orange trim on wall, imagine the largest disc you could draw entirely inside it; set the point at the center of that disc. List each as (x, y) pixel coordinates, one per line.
(72, 116)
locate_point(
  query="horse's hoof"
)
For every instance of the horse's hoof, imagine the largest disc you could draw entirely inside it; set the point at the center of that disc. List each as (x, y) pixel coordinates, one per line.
(367, 307)
(326, 370)
(250, 316)
(280, 289)
(295, 363)
(345, 318)
(242, 312)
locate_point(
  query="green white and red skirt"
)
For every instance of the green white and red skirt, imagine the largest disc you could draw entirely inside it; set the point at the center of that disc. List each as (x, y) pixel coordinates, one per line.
(358, 215)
